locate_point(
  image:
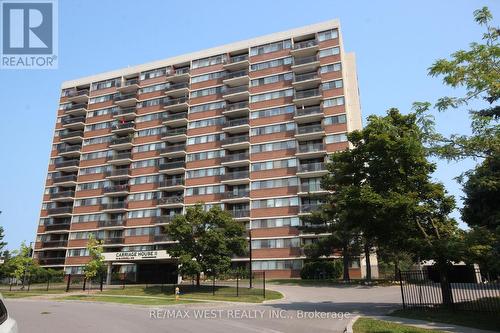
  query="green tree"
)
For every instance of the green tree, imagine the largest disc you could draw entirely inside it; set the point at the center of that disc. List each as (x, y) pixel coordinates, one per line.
(2, 243)
(206, 241)
(95, 266)
(20, 264)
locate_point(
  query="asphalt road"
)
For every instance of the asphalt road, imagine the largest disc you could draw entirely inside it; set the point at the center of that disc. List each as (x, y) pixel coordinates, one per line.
(286, 315)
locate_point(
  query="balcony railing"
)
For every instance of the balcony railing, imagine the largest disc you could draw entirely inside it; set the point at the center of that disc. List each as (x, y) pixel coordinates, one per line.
(120, 156)
(120, 111)
(51, 261)
(308, 208)
(70, 134)
(130, 82)
(175, 101)
(235, 175)
(113, 240)
(124, 125)
(72, 120)
(311, 167)
(307, 93)
(233, 75)
(239, 213)
(174, 148)
(311, 110)
(77, 106)
(236, 122)
(309, 129)
(305, 77)
(235, 139)
(62, 194)
(117, 172)
(310, 148)
(304, 60)
(174, 131)
(121, 140)
(68, 163)
(163, 219)
(172, 165)
(176, 86)
(57, 226)
(235, 157)
(161, 238)
(123, 97)
(115, 205)
(180, 71)
(310, 187)
(116, 188)
(305, 44)
(174, 116)
(111, 223)
(171, 182)
(74, 93)
(60, 210)
(55, 243)
(234, 90)
(238, 58)
(171, 200)
(236, 194)
(68, 148)
(236, 106)
(62, 179)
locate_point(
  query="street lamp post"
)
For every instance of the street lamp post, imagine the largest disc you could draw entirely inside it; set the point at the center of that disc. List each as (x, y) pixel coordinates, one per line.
(250, 254)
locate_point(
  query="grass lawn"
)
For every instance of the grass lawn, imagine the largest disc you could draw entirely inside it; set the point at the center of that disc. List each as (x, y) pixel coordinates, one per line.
(368, 325)
(22, 294)
(203, 292)
(306, 283)
(481, 320)
(125, 300)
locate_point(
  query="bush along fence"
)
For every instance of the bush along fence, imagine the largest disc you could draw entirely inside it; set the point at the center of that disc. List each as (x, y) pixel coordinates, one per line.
(463, 291)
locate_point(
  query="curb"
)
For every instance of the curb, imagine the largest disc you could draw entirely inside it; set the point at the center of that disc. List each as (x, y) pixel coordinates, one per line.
(348, 328)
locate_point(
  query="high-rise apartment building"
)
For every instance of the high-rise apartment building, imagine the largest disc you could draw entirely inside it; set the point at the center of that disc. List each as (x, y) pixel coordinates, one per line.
(246, 126)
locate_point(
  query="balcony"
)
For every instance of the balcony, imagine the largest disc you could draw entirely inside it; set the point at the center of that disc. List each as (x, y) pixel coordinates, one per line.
(237, 78)
(309, 132)
(112, 240)
(122, 142)
(174, 150)
(116, 189)
(240, 214)
(57, 226)
(68, 165)
(51, 261)
(115, 206)
(176, 104)
(236, 125)
(77, 122)
(311, 170)
(163, 219)
(161, 238)
(236, 109)
(311, 150)
(177, 89)
(78, 96)
(175, 119)
(178, 74)
(175, 201)
(237, 62)
(55, 243)
(126, 100)
(125, 113)
(123, 127)
(234, 94)
(69, 150)
(68, 180)
(307, 97)
(236, 142)
(309, 208)
(71, 136)
(305, 48)
(111, 223)
(63, 195)
(172, 168)
(118, 174)
(175, 184)
(236, 177)
(129, 86)
(77, 109)
(308, 114)
(120, 158)
(236, 196)
(305, 64)
(238, 159)
(306, 80)
(174, 134)
(65, 210)
(306, 189)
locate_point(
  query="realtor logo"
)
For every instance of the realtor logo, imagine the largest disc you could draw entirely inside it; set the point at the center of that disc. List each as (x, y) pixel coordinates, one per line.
(29, 34)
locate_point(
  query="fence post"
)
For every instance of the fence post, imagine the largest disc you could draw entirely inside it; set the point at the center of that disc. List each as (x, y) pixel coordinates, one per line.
(69, 280)
(213, 285)
(48, 282)
(237, 285)
(84, 283)
(264, 283)
(401, 286)
(102, 281)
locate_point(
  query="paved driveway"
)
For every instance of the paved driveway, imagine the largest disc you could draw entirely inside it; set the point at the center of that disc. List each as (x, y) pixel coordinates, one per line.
(286, 315)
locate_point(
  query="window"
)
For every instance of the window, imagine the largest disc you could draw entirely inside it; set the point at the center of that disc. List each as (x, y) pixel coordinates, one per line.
(275, 223)
(270, 165)
(206, 138)
(90, 186)
(329, 52)
(98, 140)
(148, 147)
(274, 183)
(340, 119)
(272, 112)
(153, 88)
(137, 214)
(271, 47)
(330, 68)
(206, 122)
(277, 202)
(207, 77)
(144, 231)
(145, 180)
(148, 132)
(271, 79)
(206, 92)
(143, 196)
(271, 64)
(149, 117)
(153, 73)
(205, 155)
(335, 138)
(273, 146)
(332, 85)
(96, 155)
(272, 129)
(329, 34)
(93, 170)
(207, 107)
(150, 102)
(204, 190)
(204, 172)
(101, 112)
(88, 218)
(271, 95)
(276, 243)
(333, 102)
(98, 126)
(77, 253)
(101, 99)
(76, 270)
(144, 164)
(267, 265)
(106, 84)
(210, 61)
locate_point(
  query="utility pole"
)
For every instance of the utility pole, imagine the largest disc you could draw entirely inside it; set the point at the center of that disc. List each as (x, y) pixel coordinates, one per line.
(250, 250)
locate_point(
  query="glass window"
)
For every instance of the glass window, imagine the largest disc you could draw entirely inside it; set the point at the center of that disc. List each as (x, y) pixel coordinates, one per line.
(329, 34)
(340, 119)
(271, 47)
(333, 102)
(335, 138)
(329, 52)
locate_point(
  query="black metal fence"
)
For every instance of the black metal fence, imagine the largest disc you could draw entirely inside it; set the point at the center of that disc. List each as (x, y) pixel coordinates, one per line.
(423, 289)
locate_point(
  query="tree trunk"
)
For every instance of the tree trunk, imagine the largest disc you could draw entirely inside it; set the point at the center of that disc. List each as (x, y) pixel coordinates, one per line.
(197, 279)
(368, 264)
(345, 261)
(396, 269)
(446, 292)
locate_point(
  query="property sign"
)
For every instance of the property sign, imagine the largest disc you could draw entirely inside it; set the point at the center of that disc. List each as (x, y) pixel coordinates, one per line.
(136, 255)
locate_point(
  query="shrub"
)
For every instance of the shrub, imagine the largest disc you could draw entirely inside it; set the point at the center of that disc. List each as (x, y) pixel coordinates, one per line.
(323, 269)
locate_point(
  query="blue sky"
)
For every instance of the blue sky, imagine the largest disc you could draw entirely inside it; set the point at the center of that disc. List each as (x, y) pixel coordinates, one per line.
(395, 43)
